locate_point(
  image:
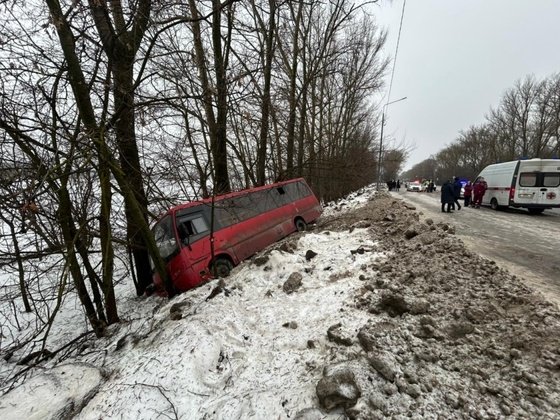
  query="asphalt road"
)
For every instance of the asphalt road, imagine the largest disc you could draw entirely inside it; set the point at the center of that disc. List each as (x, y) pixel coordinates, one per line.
(526, 245)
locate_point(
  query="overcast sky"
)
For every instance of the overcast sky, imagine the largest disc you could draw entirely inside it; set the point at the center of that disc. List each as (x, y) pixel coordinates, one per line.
(455, 60)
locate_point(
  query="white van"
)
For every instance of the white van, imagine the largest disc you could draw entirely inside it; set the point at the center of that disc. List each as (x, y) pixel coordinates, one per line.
(533, 184)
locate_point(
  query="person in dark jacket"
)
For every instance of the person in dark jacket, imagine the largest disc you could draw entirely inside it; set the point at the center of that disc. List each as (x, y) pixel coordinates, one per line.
(468, 193)
(447, 196)
(457, 193)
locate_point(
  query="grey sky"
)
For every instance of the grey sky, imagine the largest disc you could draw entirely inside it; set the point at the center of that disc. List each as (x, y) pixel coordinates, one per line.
(455, 60)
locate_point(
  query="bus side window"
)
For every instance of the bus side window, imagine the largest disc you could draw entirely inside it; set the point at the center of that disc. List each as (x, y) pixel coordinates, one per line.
(183, 232)
(281, 196)
(264, 201)
(224, 213)
(292, 192)
(192, 228)
(303, 189)
(246, 206)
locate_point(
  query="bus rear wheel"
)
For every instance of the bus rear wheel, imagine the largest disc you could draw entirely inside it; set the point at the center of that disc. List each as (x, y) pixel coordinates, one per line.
(301, 225)
(222, 267)
(494, 204)
(535, 211)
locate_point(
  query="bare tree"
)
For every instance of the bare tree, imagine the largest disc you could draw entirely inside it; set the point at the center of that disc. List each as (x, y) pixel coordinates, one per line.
(216, 121)
(524, 124)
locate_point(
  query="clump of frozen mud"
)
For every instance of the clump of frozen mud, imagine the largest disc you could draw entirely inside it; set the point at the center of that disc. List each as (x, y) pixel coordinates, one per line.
(451, 335)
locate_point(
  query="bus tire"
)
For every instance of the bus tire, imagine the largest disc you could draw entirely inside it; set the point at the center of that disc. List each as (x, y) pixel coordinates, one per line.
(222, 267)
(300, 225)
(494, 204)
(535, 211)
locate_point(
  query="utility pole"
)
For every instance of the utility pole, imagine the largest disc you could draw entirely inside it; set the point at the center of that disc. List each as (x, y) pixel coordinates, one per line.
(380, 157)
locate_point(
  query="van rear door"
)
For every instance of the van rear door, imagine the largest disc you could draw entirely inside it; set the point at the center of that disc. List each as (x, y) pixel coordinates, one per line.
(538, 188)
(550, 191)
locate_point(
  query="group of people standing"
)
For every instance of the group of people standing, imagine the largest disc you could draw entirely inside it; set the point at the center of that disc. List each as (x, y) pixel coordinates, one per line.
(430, 186)
(393, 185)
(451, 193)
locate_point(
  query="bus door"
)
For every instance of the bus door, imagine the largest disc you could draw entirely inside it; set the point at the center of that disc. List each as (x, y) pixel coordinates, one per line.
(194, 237)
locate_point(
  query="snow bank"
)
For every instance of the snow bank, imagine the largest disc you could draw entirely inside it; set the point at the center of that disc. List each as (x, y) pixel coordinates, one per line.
(56, 393)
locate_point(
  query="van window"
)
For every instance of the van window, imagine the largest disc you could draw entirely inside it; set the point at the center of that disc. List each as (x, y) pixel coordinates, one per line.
(224, 213)
(528, 180)
(192, 227)
(246, 206)
(281, 196)
(293, 192)
(303, 190)
(263, 201)
(551, 180)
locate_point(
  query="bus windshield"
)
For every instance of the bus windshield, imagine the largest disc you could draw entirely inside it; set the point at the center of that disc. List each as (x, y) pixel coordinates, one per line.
(165, 238)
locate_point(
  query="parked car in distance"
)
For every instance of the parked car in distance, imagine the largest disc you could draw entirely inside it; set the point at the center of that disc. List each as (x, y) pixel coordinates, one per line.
(415, 186)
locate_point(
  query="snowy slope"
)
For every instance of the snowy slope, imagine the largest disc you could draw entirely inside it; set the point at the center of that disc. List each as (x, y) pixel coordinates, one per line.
(253, 353)
(406, 319)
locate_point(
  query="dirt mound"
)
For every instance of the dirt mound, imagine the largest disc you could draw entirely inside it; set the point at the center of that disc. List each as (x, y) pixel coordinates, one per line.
(451, 335)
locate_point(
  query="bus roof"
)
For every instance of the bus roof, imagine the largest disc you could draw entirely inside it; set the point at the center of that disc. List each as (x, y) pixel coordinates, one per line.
(228, 195)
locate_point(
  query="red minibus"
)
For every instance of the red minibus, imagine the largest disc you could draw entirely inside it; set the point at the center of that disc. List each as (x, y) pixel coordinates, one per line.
(236, 225)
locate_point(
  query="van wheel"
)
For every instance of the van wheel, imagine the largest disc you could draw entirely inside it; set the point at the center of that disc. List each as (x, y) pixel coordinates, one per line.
(301, 225)
(222, 267)
(494, 204)
(535, 211)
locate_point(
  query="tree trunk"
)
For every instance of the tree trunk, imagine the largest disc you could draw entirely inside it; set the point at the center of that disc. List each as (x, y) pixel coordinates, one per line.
(120, 43)
(292, 99)
(216, 126)
(265, 114)
(219, 149)
(67, 225)
(21, 270)
(130, 164)
(120, 46)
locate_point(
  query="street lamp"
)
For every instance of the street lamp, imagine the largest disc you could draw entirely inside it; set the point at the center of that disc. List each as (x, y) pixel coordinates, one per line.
(381, 138)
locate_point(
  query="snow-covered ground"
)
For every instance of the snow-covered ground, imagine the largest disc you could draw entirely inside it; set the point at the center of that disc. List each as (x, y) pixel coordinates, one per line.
(357, 318)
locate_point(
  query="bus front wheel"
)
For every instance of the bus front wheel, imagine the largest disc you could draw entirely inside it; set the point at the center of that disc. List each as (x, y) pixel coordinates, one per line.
(301, 225)
(222, 267)
(494, 204)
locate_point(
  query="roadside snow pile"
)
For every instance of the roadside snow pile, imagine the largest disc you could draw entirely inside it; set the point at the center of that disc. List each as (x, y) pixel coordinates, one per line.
(374, 314)
(351, 202)
(450, 334)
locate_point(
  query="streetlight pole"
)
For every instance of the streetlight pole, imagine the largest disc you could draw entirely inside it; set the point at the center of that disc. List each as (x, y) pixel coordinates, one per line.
(379, 159)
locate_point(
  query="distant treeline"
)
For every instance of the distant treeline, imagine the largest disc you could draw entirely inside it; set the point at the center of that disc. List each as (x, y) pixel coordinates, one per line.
(525, 124)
